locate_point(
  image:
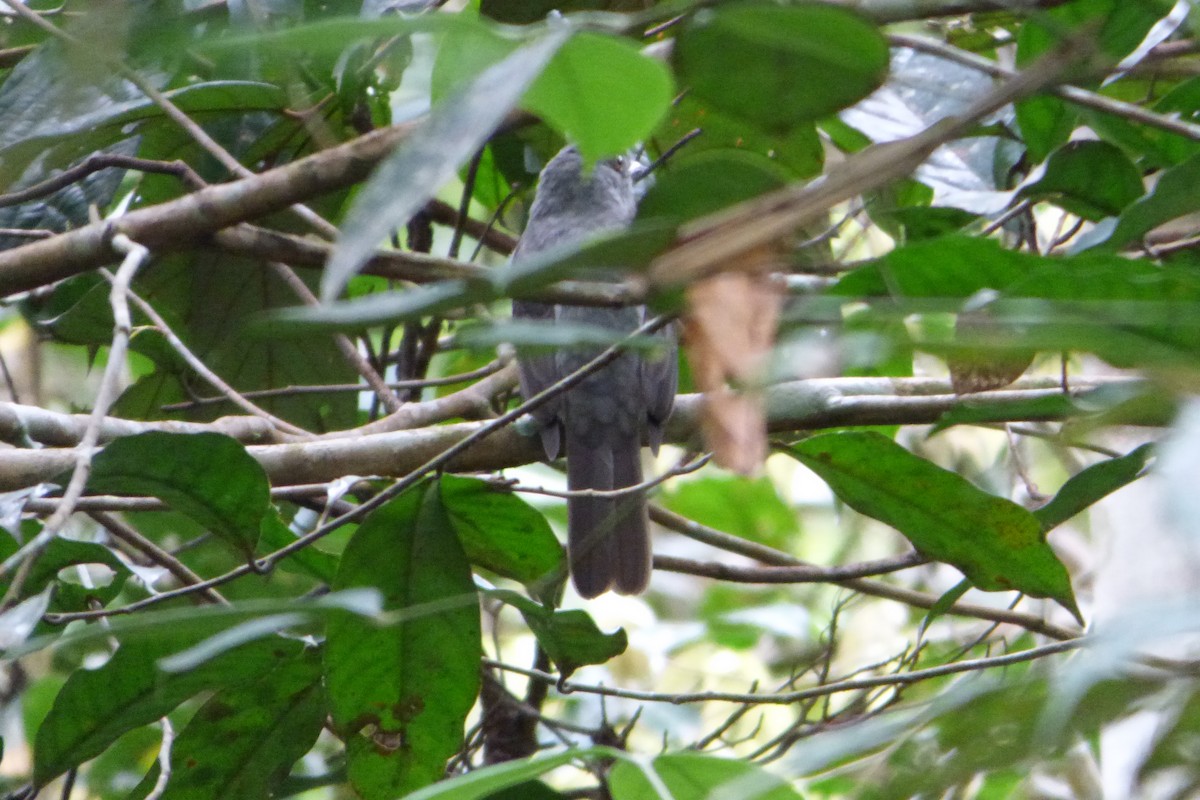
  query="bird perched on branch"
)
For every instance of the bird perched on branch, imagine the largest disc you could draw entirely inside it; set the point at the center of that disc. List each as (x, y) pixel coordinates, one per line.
(603, 418)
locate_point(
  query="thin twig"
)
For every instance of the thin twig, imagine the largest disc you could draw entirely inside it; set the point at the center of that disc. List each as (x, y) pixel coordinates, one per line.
(132, 537)
(96, 162)
(1074, 94)
(787, 698)
(334, 388)
(743, 574)
(135, 256)
(164, 761)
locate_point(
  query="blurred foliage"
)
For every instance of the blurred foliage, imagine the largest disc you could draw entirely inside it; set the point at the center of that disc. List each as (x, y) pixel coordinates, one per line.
(1059, 232)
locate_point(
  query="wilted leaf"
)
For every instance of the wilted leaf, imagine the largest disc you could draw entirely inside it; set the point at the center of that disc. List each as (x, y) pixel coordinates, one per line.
(728, 333)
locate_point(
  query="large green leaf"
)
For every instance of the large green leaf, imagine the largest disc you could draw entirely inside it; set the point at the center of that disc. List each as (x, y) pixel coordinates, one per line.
(244, 741)
(602, 93)
(698, 776)
(399, 695)
(208, 476)
(1130, 312)
(780, 65)
(501, 532)
(96, 707)
(993, 541)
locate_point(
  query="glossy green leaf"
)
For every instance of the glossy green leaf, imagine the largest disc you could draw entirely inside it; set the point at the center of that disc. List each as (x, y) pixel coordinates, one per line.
(780, 65)
(244, 741)
(410, 176)
(1089, 178)
(399, 695)
(1093, 484)
(698, 776)
(96, 707)
(602, 93)
(208, 476)
(501, 532)
(570, 638)
(993, 541)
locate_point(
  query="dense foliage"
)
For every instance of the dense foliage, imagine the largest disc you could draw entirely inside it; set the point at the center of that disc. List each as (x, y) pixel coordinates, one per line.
(937, 261)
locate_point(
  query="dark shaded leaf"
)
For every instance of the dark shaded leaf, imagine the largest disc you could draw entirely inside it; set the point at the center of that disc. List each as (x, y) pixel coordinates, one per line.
(208, 476)
(244, 741)
(779, 66)
(96, 707)
(1090, 179)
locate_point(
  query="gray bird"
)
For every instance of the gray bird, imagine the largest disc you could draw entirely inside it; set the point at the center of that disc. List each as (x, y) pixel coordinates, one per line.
(601, 419)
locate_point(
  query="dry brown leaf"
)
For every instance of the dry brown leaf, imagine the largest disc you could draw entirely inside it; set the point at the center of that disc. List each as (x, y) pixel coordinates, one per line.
(728, 333)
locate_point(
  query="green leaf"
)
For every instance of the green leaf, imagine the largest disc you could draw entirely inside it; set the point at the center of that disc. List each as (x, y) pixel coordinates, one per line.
(703, 183)
(1093, 484)
(501, 532)
(96, 707)
(602, 93)
(482, 783)
(994, 542)
(399, 695)
(799, 150)
(696, 776)
(244, 741)
(954, 266)
(1090, 179)
(780, 65)
(1173, 196)
(747, 507)
(570, 638)
(311, 560)
(406, 179)
(208, 476)
(70, 596)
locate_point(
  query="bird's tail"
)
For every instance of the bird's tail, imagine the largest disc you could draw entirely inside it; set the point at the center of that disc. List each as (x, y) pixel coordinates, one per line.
(607, 537)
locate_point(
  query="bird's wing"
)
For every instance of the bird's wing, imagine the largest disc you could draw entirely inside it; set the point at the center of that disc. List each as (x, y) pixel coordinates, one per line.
(538, 372)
